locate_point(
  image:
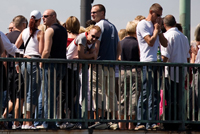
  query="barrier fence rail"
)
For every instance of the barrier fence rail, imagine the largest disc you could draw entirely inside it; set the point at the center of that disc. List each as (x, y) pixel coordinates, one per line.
(78, 91)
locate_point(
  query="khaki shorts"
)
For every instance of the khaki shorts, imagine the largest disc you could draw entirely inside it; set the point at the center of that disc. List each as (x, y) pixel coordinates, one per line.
(128, 102)
(106, 88)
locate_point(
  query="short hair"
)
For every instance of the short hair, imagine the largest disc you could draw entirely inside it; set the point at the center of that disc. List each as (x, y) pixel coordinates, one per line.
(72, 25)
(139, 17)
(197, 33)
(122, 33)
(89, 22)
(93, 27)
(131, 27)
(101, 8)
(178, 25)
(169, 20)
(19, 20)
(155, 7)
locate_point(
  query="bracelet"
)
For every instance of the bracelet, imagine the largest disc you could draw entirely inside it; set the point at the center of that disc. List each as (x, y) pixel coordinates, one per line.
(16, 64)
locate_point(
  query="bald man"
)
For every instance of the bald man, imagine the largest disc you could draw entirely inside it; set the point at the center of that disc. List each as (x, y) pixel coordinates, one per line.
(54, 47)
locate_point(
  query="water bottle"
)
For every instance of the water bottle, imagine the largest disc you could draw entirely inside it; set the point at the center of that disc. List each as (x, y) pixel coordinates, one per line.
(158, 55)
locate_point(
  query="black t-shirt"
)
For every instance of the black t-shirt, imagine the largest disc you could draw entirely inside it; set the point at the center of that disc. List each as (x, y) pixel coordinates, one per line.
(130, 49)
(12, 36)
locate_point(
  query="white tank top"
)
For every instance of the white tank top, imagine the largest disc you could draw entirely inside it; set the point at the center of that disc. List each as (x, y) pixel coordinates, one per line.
(32, 47)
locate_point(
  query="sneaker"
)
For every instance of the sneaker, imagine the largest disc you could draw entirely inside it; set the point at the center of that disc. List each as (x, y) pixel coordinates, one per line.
(23, 127)
(40, 127)
(99, 125)
(154, 127)
(30, 127)
(140, 127)
(67, 125)
(113, 126)
(77, 126)
(16, 127)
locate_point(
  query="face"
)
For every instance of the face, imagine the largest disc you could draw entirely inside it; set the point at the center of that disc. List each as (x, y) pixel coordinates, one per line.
(10, 28)
(96, 14)
(93, 36)
(156, 15)
(47, 18)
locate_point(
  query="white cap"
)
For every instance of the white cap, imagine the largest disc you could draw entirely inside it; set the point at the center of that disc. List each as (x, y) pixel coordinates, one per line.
(36, 14)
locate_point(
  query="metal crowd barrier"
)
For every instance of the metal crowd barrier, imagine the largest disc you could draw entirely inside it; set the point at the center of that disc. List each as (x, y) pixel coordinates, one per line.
(185, 109)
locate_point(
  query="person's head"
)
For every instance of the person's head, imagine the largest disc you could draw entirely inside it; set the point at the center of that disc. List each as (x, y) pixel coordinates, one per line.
(155, 12)
(11, 26)
(178, 25)
(93, 34)
(197, 33)
(89, 22)
(139, 17)
(122, 33)
(49, 17)
(131, 27)
(82, 30)
(72, 25)
(169, 21)
(42, 27)
(34, 21)
(98, 12)
(20, 22)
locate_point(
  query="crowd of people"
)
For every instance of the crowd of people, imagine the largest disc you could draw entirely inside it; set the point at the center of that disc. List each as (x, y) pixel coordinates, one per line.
(99, 40)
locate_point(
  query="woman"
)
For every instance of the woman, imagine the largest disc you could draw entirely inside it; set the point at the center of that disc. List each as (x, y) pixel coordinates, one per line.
(33, 40)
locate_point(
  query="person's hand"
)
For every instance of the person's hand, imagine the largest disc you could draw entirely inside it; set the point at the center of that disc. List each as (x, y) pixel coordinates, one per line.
(17, 67)
(193, 50)
(159, 21)
(157, 28)
(41, 64)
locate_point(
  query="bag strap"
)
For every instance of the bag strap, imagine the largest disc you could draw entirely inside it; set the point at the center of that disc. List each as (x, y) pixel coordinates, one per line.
(26, 43)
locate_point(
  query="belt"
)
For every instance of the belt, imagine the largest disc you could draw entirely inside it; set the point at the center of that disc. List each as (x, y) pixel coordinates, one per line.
(35, 56)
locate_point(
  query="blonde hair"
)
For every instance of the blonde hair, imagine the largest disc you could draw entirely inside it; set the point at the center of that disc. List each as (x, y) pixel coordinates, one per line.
(42, 27)
(139, 17)
(122, 33)
(131, 27)
(197, 33)
(72, 25)
(82, 29)
(93, 27)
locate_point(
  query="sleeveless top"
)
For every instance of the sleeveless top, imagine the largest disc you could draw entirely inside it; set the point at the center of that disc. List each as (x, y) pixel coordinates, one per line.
(59, 41)
(32, 47)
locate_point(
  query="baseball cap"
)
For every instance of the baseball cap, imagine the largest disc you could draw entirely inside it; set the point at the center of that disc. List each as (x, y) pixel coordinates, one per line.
(36, 14)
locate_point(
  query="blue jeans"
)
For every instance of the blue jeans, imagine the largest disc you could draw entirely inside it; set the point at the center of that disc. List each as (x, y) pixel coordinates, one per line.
(147, 93)
(35, 85)
(59, 76)
(39, 112)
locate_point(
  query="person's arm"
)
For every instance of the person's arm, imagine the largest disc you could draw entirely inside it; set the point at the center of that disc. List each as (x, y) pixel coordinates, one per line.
(48, 43)
(150, 40)
(119, 51)
(19, 41)
(97, 45)
(8, 46)
(192, 57)
(164, 58)
(41, 41)
(162, 39)
(83, 55)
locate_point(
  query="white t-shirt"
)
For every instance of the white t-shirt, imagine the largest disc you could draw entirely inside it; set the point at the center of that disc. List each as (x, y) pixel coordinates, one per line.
(177, 50)
(147, 53)
(32, 47)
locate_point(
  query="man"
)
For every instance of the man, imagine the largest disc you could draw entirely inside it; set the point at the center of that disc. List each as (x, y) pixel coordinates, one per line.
(149, 36)
(11, 26)
(54, 47)
(107, 48)
(177, 51)
(19, 24)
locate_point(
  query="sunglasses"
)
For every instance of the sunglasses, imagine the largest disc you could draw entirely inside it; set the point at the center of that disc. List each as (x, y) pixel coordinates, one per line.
(93, 36)
(94, 12)
(46, 16)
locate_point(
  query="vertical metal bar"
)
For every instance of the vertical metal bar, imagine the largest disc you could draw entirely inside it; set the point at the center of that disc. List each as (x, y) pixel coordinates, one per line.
(125, 90)
(198, 103)
(48, 90)
(78, 91)
(91, 78)
(108, 90)
(84, 94)
(136, 89)
(25, 88)
(130, 93)
(114, 93)
(103, 88)
(175, 95)
(54, 95)
(149, 70)
(163, 84)
(169, 95)
(97, 80)
(188, 91)
(31, 82)
(1, 86)
(119, 93)
(141, 93)
(43, 81)
(60, 93)
(72, 93)
(193, 96)
(38, 87)
(66, 91)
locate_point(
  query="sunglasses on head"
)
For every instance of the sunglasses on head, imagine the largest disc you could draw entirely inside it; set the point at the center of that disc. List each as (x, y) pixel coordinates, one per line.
(46, 16)
(93, 36)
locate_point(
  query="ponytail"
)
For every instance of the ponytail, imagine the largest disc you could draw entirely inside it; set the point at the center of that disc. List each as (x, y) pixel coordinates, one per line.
(32, 25)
